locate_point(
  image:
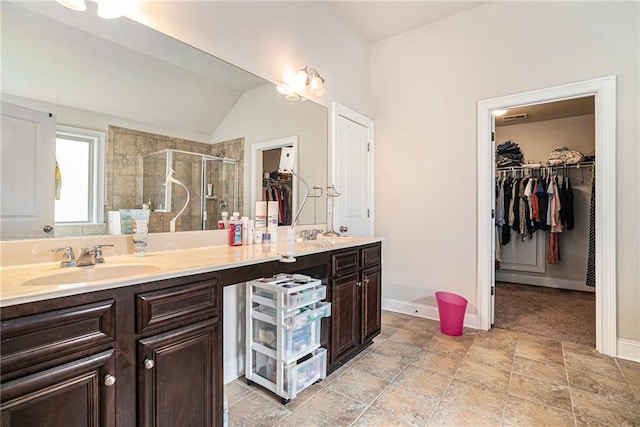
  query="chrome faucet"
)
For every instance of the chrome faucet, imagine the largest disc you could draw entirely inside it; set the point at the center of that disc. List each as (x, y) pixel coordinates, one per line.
(310, 234)
(91, 256)
(88, 256)
(68, 258)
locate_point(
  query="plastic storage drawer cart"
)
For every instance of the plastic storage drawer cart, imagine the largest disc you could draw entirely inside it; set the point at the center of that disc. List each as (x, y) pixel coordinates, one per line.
(284, 315)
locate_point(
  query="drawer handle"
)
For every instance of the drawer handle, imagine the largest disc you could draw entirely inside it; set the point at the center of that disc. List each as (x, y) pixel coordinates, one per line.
(109, 380)
(359, 284)
(366, 280)
(149, 364)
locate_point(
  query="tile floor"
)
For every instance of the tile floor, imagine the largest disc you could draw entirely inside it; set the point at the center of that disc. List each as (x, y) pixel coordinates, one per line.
(415, 376)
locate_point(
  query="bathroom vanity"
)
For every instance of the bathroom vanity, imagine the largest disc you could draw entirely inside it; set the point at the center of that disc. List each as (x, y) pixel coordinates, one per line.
(147, 350)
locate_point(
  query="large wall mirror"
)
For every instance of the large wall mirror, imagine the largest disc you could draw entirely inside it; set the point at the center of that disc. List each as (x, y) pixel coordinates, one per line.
(152, 98)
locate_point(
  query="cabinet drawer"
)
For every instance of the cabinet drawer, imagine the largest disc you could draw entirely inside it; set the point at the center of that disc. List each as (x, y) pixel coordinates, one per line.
(344, 262)
(175, 305)
(40, 337)
(371, 255)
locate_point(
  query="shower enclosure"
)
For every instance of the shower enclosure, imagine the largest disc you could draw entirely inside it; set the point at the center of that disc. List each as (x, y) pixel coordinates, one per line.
(198, 172)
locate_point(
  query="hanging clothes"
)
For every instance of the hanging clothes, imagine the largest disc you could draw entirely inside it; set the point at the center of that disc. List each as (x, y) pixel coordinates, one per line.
(567, 205)
(591, 258)
(506, 230)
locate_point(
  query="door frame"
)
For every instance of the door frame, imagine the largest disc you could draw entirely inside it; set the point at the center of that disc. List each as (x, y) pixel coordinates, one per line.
(256, 167)
(339, 110)
(604, 90)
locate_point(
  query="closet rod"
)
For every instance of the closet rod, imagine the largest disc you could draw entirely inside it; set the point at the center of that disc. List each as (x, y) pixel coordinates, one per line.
(562, 166)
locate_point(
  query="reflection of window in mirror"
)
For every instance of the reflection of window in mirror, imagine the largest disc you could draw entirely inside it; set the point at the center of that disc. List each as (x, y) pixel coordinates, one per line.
(80, 177)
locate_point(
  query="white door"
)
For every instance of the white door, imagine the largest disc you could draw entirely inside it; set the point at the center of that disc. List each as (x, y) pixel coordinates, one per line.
(353, 157)
(27, 174)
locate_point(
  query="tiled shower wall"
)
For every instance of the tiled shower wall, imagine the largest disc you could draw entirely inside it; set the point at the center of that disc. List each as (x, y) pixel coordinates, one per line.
(125, 150)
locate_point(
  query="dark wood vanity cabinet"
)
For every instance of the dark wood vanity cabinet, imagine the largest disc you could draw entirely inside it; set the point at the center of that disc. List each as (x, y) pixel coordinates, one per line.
(355, 292)
(86, 360)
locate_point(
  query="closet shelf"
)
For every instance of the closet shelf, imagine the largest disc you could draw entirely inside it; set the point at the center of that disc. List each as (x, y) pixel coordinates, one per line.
(547, 167)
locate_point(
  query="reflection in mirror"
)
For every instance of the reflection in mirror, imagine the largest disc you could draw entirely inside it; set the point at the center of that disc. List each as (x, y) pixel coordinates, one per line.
(149, 93)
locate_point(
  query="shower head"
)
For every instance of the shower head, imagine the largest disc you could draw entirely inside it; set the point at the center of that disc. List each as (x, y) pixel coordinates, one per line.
(221, 153)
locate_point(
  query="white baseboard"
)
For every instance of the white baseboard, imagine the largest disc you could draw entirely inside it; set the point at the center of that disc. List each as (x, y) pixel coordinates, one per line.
(629, 350)
(549, 282)
(233, 369)
(424, 311)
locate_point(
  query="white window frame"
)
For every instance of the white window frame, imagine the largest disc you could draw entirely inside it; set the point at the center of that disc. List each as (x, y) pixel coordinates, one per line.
(97, 168)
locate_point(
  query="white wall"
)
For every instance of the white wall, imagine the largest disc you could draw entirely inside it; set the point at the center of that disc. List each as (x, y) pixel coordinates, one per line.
(425, 87)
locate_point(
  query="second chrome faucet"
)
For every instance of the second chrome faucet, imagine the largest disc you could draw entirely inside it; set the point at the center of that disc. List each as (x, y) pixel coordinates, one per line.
(88, 256)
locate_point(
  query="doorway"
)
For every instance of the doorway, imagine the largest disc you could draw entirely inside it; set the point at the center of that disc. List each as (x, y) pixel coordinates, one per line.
(604, 90)
(545, 153)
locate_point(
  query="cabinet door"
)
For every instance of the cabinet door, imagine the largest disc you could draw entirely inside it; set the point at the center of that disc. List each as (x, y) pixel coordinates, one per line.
(179, 379)
(371, 303)
(79, 393)
(345, 315)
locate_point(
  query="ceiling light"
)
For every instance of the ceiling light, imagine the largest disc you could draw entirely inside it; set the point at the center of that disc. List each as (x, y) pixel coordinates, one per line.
(78, 5)
(499, 112)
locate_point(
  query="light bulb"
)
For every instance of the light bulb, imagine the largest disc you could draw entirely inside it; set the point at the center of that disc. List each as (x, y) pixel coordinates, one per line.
(316, 86)
(300, 80)
(78, 5)
(110, 9)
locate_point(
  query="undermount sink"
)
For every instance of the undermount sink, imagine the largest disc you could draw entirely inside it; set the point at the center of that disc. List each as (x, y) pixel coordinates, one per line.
(91, 274)
(326, 241)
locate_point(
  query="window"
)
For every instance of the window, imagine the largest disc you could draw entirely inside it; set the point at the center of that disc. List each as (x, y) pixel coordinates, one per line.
(80, 156)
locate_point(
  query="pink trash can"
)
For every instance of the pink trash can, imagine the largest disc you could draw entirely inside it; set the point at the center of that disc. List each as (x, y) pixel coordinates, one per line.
(451, 308)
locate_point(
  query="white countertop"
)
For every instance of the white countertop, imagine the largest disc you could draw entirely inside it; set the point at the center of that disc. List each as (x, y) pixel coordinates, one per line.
(14, 287)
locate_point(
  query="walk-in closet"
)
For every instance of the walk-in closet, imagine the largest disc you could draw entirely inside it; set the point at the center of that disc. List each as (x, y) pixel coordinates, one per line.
(545, 220)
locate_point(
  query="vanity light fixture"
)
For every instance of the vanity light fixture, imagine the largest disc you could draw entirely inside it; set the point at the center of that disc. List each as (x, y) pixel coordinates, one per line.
(307, 80)
(107, 9)
(310, 80)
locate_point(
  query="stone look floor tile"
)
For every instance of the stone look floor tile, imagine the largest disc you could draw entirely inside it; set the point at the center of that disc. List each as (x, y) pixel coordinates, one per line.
(424, 326)
(533, 351)
(407, 405)
(475, 397)
(521, 412)
(236, 391)
(449, 414)
(604, 409)
(455, 381)
(599, 384)
(257, 410)
(437, 362)
(478, 373)
(556, 395)
(396, 320)
(409, 337)
(497, 339)
(541, 370)
(495, 358)
(384, 367)
(403, 352)
(374, 418)
(326, 408)
(359, 385)
(601, 365)
(423, 381)
(448, 346)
